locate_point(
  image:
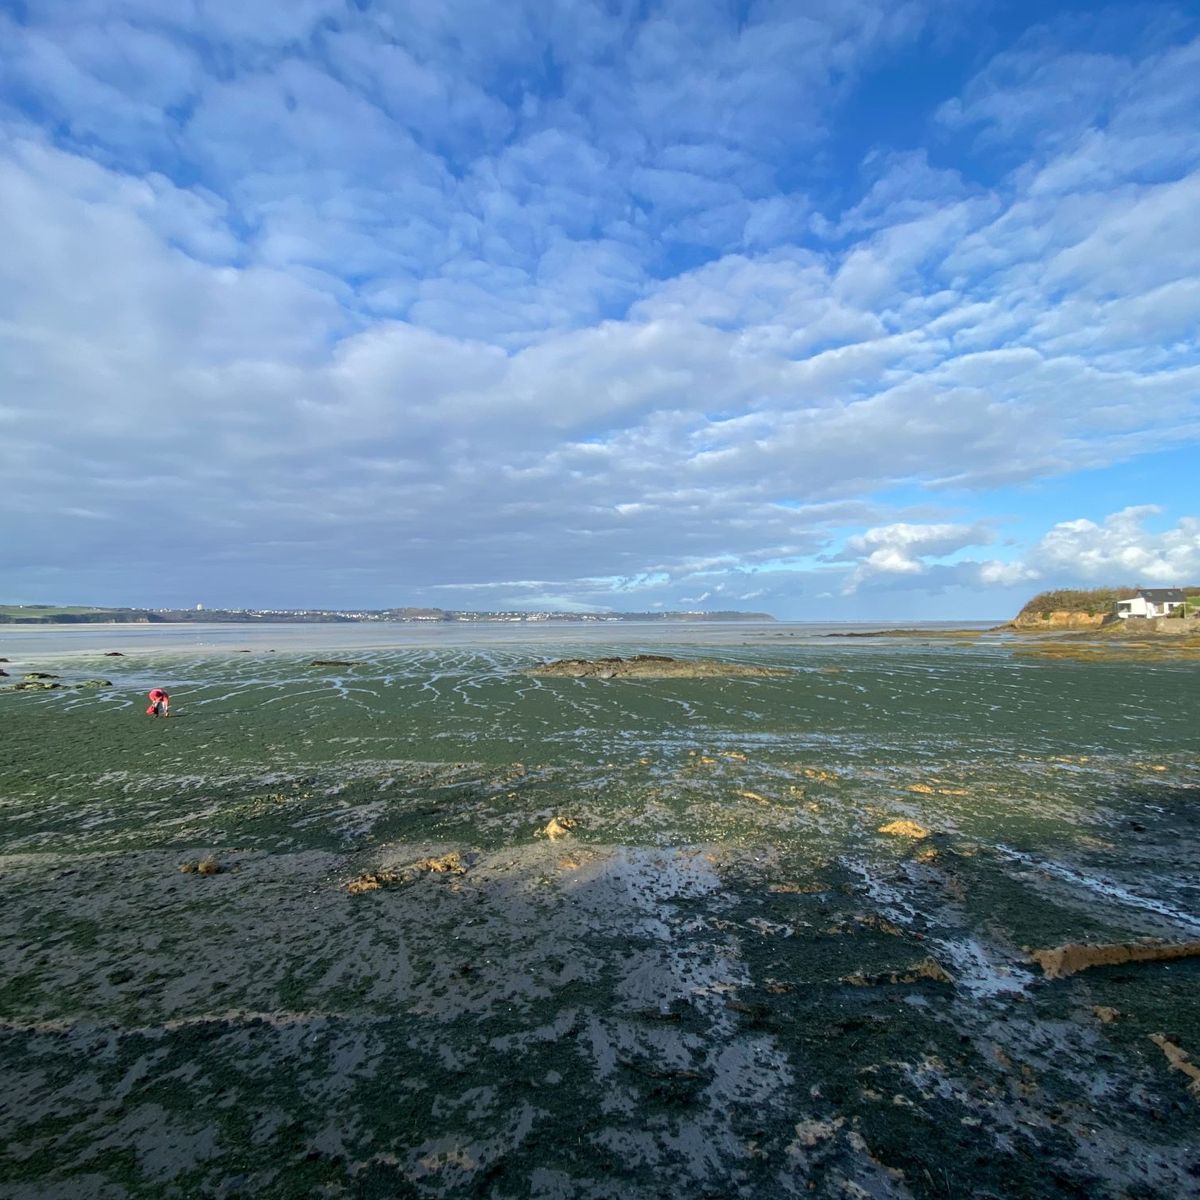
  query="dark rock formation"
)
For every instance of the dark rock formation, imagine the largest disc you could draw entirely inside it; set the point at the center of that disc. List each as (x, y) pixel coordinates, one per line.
(649, 666)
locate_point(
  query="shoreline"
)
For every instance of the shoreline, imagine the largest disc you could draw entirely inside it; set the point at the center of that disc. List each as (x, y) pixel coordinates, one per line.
(227, 638)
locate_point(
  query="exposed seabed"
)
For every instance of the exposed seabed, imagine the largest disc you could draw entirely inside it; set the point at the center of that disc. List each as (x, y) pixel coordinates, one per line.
(714, 977)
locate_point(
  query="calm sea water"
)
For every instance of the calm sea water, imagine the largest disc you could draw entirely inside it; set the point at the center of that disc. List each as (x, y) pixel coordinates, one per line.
(66, 639)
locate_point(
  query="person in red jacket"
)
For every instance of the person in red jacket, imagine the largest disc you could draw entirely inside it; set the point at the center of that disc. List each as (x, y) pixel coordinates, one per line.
(160, 704)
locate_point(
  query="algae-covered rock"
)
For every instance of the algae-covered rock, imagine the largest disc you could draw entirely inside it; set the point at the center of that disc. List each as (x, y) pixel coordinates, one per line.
(95, 683)
(453, 863)
(928, 970)
(372, 881)
(650, 666)
(445, 864)
(34, 685)
(34, 676)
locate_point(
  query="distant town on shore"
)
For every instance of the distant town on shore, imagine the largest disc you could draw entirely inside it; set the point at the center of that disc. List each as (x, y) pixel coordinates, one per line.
(48, 614)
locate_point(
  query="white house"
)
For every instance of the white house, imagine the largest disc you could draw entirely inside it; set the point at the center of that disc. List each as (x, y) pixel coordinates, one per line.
(1151, 602)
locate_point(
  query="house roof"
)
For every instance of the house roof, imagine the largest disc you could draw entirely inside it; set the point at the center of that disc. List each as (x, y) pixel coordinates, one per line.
(1161, 595)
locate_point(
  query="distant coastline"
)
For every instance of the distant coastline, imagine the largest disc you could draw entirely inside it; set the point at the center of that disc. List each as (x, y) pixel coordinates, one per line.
(47, 614)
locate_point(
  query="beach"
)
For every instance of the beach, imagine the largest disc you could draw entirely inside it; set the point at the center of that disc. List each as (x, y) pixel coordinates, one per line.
(420, 923)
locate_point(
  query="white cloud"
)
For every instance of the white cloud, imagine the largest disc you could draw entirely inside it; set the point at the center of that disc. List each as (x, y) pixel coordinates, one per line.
(906, 549)
(1122, 550)
(411, 292)
(996, 573)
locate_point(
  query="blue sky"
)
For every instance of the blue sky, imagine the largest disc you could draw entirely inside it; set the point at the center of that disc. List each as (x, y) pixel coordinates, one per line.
(877, 309)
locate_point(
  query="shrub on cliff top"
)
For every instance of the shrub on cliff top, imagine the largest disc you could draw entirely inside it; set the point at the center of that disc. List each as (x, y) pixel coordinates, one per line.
(1080, 600)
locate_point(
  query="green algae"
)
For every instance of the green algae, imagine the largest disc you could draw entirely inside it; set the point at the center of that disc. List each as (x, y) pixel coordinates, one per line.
(688, 995)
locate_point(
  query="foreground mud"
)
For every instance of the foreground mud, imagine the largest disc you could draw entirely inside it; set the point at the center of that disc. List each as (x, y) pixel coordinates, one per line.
(472, 933)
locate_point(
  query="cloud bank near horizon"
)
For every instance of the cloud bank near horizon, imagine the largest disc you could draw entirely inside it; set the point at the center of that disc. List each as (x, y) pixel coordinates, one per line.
(337, 303)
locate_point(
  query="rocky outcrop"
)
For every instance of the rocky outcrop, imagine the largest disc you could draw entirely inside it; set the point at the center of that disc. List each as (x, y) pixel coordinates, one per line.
(649, 666)
(902, 828)
(1062, 619)
(1155, 627)
(1179, 1060)
(1079, 956)
(558, 827)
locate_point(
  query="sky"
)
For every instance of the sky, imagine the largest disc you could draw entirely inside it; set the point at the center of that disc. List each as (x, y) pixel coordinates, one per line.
(863, 309)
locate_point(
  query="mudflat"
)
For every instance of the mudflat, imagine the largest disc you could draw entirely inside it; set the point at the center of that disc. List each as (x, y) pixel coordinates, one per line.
(651, 666)
(873, 918)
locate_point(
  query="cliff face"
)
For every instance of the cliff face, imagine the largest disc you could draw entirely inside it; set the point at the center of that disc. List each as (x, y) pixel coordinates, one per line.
(1060, 619)
(1066, 620)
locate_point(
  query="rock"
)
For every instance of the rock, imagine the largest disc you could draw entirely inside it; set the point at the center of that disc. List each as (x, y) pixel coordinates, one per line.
(904, 829)
(206, 866)
(1059, 619)
(754, 796)
(33, 676)
(113, 654)
(857, 922)
(927, 969)
(1104, 1014)
(3, 674)
(447, 864)
(819, 776)
(1180, 1060)
(34, 686)
(372, 881)
(95, 683)
(558, 827)
(1060, 961)
(332, 662)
